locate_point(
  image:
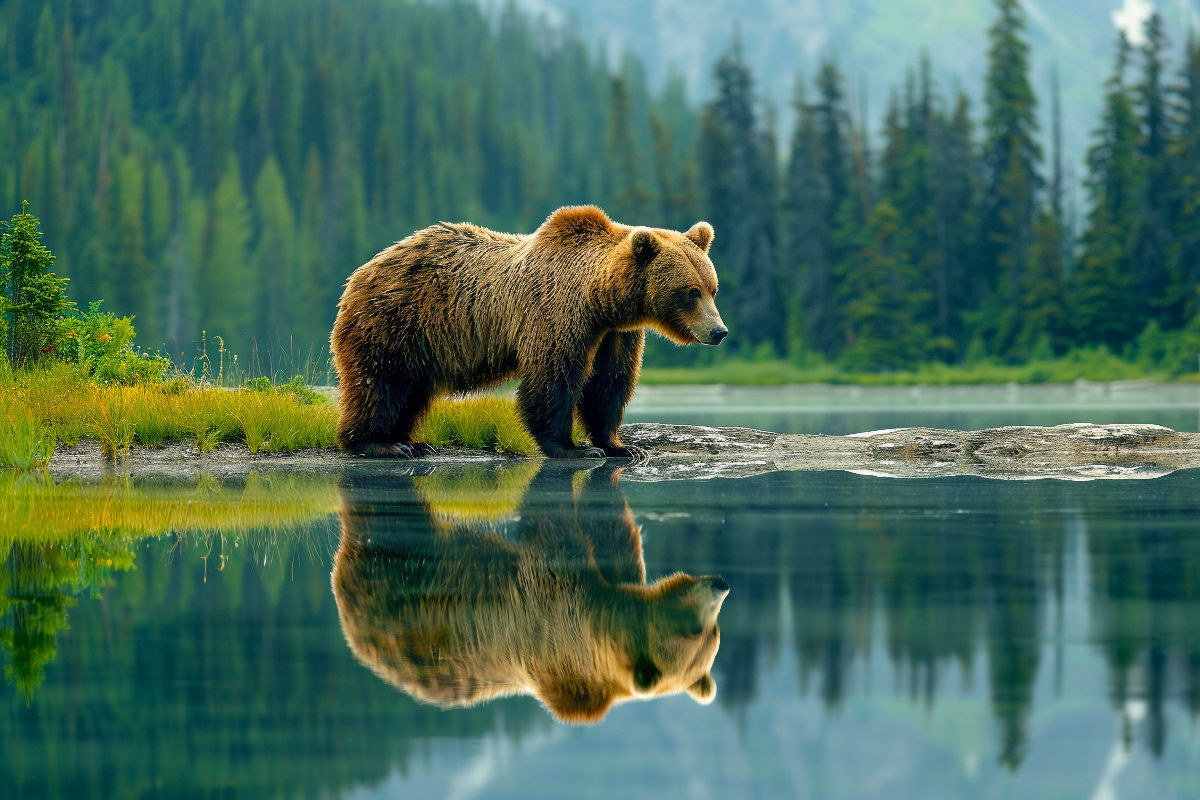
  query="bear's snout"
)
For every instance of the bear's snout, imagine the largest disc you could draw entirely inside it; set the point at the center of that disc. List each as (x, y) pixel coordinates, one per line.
(717, 335)
(711, 591)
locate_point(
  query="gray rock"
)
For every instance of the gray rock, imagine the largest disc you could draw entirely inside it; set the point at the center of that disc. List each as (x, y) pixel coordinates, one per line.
(1081, 451)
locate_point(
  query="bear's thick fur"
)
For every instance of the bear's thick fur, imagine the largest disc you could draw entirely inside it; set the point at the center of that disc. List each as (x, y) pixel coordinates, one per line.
(453, 308)
(546, 599)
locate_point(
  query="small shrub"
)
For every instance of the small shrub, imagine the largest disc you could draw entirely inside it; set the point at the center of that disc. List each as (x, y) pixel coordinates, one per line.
(299, 389)
(100, 345)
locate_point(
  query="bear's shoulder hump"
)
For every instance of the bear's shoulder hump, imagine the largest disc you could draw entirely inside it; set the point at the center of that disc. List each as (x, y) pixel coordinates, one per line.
(574, 223)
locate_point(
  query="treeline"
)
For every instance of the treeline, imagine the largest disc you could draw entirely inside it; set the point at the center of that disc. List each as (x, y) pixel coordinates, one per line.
(223, 165)
(937, 241)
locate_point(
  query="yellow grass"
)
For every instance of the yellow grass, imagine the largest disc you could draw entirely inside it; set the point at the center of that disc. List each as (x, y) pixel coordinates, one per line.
(41, 407)
(36, 510)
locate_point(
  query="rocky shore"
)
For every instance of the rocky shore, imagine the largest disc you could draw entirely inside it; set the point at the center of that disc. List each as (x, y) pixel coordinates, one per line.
(687, 452)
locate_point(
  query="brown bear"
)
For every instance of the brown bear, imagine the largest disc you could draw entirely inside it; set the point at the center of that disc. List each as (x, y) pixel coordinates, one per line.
(458, 307)
(545, 598)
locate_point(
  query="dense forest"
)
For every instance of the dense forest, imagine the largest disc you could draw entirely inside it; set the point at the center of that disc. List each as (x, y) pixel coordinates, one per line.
(222, 166)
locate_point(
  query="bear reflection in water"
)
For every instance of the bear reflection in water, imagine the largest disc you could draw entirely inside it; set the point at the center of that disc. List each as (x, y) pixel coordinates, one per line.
(469, 584)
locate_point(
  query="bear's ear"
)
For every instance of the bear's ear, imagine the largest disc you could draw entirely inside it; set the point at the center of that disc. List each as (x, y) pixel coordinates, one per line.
(704, 690)
(701, 235)
(645, 246)
(646, 674)
(577, 700)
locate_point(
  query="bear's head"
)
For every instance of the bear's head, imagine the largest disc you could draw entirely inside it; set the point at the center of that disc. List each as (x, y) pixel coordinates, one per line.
(661, 640)
(651, 278)
(680, 283)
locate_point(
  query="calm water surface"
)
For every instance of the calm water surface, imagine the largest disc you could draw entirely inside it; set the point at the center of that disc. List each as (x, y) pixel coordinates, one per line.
(355, 635)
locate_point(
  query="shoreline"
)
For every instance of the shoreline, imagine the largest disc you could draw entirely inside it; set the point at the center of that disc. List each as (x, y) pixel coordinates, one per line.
(1079, 451)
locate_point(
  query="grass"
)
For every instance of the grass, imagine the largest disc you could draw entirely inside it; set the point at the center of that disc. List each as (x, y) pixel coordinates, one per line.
(1095, 364)
(487, 422)
(59, 404)
(47, 405)
(24, 444)
(44, 406)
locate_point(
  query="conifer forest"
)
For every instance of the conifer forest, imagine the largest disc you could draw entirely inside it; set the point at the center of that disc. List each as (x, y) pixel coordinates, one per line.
(218, 167)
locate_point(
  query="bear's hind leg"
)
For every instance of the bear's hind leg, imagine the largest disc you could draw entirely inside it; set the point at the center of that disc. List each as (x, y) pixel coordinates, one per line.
(408, 409)
(380, 425)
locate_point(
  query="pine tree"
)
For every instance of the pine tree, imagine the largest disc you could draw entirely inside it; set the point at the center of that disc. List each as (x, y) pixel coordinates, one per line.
(1011, 156)
(223, 281)
(956, 285)
(627, 199)
(1152, 234)
(1185, 159)
(1043, 306)
(738, 165)
(882, 299)
(31, 297)
(1101, 293)
(280, 293)
(807, 237)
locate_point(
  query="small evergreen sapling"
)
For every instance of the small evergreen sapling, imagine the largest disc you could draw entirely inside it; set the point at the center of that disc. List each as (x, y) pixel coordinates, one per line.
(31, 297)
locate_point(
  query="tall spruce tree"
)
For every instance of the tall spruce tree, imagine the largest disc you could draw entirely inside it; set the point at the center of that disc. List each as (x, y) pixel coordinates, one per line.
(883, 299)
(738, 167)
(956, 200)
(1102, 304)
(1011, 158)
(807, 236)
(627, 197)
(1152, 234)
(845, 212)
(225, 284)
(1185, 159)
(1042, 330)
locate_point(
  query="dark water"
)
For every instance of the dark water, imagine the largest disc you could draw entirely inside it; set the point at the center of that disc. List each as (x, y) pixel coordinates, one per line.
(881, 638)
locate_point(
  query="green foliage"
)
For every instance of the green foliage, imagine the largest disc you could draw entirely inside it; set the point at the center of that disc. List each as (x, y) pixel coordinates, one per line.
(227, 171)
(100, 346)
(225, 167)
(31, 297)
(296, 388)
(883, 297)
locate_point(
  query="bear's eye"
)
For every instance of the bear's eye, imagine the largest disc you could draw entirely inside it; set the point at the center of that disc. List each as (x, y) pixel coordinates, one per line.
(694, 294)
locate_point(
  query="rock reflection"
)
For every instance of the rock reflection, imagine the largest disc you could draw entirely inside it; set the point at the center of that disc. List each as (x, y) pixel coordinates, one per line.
(470, 584)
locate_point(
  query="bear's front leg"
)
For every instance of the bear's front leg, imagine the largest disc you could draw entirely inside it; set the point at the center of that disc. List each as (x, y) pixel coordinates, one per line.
(615, 369)
(546, 403)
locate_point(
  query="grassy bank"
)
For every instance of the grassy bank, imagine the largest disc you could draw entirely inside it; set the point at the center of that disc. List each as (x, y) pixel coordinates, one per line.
(1093, 365)
(41, 408)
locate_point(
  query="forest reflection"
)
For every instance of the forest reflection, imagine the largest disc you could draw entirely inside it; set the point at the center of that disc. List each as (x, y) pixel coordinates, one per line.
(839, 569)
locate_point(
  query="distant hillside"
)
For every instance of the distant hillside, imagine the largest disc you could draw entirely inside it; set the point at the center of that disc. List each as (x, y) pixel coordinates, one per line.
(875, 41)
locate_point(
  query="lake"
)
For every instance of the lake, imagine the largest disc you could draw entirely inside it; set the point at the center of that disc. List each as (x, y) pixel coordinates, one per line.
(484, 631)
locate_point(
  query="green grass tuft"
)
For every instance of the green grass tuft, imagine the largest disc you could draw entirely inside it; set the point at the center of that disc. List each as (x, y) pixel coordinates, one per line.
(43, 406)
